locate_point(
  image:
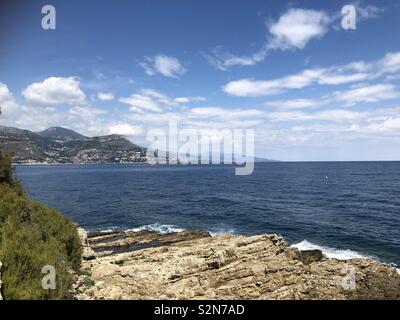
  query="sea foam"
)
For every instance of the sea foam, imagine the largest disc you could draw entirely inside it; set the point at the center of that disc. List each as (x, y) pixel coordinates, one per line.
(331, 253)
(161, 228)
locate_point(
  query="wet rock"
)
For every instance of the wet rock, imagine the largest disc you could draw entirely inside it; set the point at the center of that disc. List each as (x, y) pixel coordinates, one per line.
(310, 256)
(114, 243)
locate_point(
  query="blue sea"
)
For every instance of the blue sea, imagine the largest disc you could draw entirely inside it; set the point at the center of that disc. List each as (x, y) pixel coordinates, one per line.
(346, 209)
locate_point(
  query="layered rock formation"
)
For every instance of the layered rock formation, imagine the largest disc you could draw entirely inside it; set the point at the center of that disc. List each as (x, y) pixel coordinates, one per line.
(194, 265)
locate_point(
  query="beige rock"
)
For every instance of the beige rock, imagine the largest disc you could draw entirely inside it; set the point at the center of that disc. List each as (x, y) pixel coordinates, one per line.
(87, 251)
(229, 267)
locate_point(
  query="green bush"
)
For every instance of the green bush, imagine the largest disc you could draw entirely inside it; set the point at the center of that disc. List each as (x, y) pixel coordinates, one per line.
(6, 172)
(88, 282)
(32, 236)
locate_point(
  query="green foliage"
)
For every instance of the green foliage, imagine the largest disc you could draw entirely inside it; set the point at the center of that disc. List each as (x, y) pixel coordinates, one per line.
(88, 282)
(6, 171)
(84, 272)
(32, 236)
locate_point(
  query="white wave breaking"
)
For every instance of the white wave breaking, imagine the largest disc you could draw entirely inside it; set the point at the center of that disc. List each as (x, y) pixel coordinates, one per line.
(109, 229)
(161, 228)
(169, 228)
(331, 253)
(220, 232)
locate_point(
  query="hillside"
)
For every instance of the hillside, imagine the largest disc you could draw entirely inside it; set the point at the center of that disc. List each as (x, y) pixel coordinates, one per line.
(33, 236)
(60, 145)
(60, 134)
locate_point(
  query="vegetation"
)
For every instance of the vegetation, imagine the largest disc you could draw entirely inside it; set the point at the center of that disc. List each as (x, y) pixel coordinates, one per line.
(31, 237)
(88, 282)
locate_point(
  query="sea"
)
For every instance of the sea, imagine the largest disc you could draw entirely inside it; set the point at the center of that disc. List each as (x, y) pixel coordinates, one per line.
(346, 209)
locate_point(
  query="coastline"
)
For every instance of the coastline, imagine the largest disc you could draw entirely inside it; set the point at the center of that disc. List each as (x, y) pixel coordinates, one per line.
(304, 245)
(192, 264)
(74, 163)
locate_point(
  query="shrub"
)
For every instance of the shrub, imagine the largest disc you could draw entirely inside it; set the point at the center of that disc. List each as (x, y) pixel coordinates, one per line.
(88, 282)
(6, 170)
(32, 236)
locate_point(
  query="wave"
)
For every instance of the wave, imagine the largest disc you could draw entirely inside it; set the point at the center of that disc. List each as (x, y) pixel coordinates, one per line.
(219, 232)
(168, 228)
(334, 253)
(161, 228)
(108, 229)
(331, 253)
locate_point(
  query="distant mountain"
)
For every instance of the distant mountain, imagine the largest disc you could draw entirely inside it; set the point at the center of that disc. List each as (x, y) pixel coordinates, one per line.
(257, 159)
(60, 134)
(60, 145)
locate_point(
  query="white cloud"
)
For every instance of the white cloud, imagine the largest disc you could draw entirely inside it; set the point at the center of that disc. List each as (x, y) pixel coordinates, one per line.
(294, 29)
(360, 93)
(86, 112)
(223, 61)
(225, 113)
(372, 93)
(149, 100)
(390, 63)
(297, 27)
(337, 79)
(334, 75)
(164, 65)
(334, 115)
(392, 123)
(125, 129)
(293, 104)
(189, 99)
(368, 11)
(105, 96)
(55, 91)
(8, 104)
(253, 88)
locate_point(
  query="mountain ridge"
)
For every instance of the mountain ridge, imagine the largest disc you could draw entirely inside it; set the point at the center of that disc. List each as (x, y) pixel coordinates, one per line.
(61, 145)
(61, 134)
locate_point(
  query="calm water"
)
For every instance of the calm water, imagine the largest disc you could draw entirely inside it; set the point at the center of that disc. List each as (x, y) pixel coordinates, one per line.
(350, 205)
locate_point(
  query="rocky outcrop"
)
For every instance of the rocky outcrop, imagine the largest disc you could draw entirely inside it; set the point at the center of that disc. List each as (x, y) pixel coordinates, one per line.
(310, 256)
(112, 243)
(194, 265)
(1, 297)
(87, 251)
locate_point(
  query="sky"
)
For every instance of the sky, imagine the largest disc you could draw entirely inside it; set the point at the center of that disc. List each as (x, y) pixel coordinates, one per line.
(310, 89)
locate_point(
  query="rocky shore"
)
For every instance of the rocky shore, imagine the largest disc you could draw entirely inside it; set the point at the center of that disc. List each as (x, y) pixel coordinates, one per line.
(194, 265)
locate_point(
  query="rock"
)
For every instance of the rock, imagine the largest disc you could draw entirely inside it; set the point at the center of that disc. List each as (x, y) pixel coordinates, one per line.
(120, 242)
(310, 256)
(87, 251)
(1, 297)
(193, 265)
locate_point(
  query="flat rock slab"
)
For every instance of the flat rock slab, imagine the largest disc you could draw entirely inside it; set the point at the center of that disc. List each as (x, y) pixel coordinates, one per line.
(123, 242)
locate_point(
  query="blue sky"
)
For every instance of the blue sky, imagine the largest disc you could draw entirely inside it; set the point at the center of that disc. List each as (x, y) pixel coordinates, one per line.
(309, 88)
